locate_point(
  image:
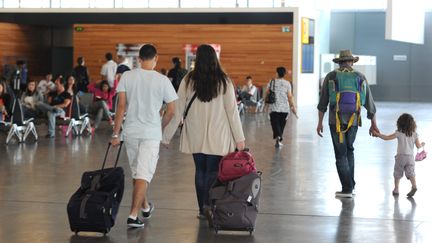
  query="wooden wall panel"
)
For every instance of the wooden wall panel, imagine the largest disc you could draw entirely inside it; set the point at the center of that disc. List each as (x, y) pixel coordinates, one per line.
(245, 49)
(24, 42)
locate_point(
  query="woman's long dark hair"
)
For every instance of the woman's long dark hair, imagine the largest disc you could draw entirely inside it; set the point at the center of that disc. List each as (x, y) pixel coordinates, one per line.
(74, 85)
(406, 124)
(208, 76)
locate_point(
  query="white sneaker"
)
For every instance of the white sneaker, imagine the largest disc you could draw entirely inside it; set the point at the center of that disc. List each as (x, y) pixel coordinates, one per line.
(344, 194)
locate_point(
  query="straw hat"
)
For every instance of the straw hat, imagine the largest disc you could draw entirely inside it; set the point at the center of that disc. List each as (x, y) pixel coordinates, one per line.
(345, 55)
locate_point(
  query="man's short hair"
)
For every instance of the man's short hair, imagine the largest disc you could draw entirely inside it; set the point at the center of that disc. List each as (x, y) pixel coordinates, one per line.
(248, 77)
(109, 56)
(147, 52)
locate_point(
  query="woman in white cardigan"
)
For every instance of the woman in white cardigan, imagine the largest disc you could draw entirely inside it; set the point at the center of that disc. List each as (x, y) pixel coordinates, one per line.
(212, 127)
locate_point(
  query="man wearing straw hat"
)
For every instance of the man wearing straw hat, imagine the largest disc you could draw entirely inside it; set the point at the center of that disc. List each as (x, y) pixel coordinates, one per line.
(344, 91)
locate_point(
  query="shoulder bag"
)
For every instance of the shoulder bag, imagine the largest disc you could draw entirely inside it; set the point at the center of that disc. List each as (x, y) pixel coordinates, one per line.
(271, 96)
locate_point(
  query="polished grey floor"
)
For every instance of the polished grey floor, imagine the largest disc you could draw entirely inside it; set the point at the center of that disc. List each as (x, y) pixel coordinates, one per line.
(297, 203)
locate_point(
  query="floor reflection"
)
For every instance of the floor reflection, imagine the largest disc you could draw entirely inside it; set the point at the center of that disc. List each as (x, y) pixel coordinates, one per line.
(402, 232)
(345, 225)
(90, 238)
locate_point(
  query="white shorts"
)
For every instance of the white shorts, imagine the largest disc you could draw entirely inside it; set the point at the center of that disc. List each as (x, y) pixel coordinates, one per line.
(143, 156)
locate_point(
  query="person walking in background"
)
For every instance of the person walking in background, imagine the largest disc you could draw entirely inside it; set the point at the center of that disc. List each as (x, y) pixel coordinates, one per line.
(345, 90)
(407, 137)
(143, 90)
(177, 73)
(19, 78)
(280, 109)
(81, 75)
(109, 69)
(212, 128)
(122, 65)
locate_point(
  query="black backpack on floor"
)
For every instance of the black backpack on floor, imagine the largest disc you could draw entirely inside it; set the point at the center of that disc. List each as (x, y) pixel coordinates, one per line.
(94, 206)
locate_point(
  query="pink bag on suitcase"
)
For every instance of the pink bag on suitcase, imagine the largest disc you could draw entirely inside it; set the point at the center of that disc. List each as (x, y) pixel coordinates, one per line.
(235, 165)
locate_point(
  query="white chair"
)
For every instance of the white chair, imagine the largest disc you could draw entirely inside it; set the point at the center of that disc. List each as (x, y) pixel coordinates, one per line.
(19, 127)
(79, 123)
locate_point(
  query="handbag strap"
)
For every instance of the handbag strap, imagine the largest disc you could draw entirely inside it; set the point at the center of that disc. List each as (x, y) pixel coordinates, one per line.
(189, 106)
(272, 82)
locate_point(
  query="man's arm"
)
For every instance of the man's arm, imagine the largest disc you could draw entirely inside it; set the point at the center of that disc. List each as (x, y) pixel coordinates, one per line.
(169, 114)
(119, 116)
(322, 106)
(65, 104)
(371, 110)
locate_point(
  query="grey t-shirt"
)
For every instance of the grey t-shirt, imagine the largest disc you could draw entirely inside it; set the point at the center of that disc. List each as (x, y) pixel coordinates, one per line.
(405, 143)
(145, 90)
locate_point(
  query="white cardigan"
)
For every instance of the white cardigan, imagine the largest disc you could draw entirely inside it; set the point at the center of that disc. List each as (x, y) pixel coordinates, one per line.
(210, 127)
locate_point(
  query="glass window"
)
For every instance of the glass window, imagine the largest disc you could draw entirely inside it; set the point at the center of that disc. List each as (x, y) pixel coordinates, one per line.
(34, 3)
(74, 3)
(356, 4)
(118, 4)
(11, 3)
(260, 4)
(101, 3)
(278, 3)
(135, 3)
(55, 3)
(242, 3)
(163, 3)
(195, 3)
(223, 3)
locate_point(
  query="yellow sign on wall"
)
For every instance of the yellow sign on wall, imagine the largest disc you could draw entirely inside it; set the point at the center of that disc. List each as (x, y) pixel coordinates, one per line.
(305, 31)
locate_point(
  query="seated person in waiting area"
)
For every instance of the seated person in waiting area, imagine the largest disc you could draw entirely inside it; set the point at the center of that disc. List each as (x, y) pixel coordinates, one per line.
(58, 102)
(102, 103)
(5, 101)
(46, 85)
(249, 91)
(30, 98)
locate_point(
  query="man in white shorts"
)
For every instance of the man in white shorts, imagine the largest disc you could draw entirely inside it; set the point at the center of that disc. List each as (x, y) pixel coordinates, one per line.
(144, 91)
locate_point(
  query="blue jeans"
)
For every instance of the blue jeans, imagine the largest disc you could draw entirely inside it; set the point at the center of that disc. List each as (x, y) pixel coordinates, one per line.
(100, 108)
(206, 171)
(51, 114)
(344, 153)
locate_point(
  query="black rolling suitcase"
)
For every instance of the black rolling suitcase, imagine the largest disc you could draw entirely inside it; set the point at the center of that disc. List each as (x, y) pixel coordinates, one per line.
(235, 204)
(94, 206)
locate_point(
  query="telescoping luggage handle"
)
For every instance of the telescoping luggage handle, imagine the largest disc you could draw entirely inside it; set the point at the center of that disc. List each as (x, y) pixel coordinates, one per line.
(117, 158)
